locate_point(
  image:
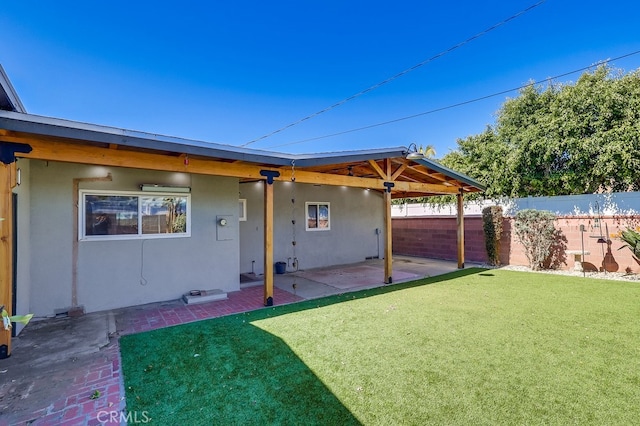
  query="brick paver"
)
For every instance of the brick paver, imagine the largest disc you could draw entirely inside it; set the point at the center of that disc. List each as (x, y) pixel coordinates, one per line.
(102, 376)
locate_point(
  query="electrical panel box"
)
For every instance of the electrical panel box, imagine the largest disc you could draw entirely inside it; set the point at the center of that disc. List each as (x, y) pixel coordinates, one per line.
(225, 227)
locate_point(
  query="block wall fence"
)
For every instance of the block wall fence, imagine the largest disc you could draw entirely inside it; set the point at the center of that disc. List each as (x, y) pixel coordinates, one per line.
(435, 237)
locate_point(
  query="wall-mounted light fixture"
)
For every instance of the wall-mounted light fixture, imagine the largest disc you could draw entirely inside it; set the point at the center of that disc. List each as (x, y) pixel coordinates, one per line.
(150, 187)
(413, 153)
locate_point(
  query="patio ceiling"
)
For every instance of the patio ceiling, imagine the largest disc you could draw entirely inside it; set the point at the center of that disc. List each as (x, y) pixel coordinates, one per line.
(399, 169)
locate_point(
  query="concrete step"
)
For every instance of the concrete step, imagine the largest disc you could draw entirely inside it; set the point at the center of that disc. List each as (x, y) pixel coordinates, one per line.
(202, 296)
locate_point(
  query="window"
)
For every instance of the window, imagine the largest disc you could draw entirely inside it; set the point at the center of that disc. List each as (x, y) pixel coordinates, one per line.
(317, 217)
(242, 207)
(121, 215)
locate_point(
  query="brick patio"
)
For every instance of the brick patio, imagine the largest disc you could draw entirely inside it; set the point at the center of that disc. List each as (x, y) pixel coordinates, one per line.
(101, 372)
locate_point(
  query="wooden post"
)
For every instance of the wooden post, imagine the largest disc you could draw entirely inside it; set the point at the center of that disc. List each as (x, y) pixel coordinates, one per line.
(6, 253)
(388, 235)
(460, 223)
(268, 243)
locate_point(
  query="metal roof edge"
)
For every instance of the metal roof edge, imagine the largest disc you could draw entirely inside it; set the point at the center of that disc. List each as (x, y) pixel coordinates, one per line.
(8, 94)
(451, 173)
(30, 123)
(326, 158)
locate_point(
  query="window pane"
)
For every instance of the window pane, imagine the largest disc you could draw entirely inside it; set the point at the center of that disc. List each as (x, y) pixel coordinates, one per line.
(312, 216)
(111, 215)
(323, 216)
(164, 215)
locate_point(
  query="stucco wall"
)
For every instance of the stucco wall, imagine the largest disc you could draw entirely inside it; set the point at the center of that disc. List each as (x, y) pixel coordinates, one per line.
(122, 273)
(355, 215)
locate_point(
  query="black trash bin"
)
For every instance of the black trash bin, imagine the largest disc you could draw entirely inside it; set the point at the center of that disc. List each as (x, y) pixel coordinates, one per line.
(281, 267)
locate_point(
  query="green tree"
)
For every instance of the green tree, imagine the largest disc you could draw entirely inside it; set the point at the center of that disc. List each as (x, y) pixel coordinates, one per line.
(560, 139)
(428, 151)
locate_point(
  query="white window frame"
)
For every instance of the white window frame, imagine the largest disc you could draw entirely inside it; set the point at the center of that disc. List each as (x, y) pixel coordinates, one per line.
(139, 236)
(306, 215)
(242, 206)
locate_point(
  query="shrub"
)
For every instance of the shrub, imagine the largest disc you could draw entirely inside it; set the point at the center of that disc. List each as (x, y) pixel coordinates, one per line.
(631, 238)
(535, 229)
(492, 226)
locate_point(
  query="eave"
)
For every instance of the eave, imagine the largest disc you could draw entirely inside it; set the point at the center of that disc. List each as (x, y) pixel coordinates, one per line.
(55, 139)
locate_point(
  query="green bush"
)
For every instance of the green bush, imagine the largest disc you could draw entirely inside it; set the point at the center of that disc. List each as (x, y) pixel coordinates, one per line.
(535, 229)
(631, 238)
(492, 226)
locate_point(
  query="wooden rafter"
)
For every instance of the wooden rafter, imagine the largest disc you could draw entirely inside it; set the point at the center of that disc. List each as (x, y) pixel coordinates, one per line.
(86, 154)
(387, 166)
(374, 165)
(410, 178)
(398, 171)
(433, 175)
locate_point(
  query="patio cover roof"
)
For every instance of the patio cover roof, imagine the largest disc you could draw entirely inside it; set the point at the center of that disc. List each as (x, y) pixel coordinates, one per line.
(60, 136)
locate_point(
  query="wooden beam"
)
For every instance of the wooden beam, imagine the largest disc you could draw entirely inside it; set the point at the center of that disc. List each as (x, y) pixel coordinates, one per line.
(440, 177)
(358, 182)
(364, 171)
(388, 173)
(6, 253)
(377, 169)
(84, 154)
(13, 173)
(268, 244)
(432, 175)
(409, 179)
(460, 223)
(398, 171)
(388, 235)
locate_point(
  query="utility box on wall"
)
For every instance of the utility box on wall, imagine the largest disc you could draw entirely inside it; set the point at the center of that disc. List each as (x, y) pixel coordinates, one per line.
(225, 228)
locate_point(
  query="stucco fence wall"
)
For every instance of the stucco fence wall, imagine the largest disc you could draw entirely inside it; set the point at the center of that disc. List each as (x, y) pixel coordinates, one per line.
(435, 237)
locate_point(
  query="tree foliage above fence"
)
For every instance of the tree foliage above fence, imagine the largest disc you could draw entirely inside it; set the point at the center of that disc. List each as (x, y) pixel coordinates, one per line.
(560, 139)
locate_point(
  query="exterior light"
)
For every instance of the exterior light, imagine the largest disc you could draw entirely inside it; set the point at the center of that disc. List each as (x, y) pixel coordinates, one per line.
(150, 187)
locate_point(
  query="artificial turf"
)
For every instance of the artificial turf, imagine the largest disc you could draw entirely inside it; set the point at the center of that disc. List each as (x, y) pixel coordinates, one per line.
(471, 347)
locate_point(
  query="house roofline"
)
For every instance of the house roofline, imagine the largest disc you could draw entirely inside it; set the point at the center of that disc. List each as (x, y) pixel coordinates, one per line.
(437, 167)
(93, 133)
(68, 129)
(9, 99)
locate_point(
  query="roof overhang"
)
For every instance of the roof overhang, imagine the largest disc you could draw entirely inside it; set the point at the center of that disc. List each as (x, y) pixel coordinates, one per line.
(56, 139)
(9, 100)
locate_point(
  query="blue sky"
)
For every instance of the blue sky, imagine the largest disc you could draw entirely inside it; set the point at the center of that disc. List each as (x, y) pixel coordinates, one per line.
(230, 72)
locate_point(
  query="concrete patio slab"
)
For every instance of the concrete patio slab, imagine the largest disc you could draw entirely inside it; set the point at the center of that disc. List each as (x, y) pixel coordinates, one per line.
(322, 282)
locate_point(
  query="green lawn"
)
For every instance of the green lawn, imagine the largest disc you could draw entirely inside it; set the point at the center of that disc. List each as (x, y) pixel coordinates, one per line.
(472, 347)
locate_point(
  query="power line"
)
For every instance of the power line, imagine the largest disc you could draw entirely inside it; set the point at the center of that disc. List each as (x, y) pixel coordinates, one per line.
(398, 75)
(481, 98)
